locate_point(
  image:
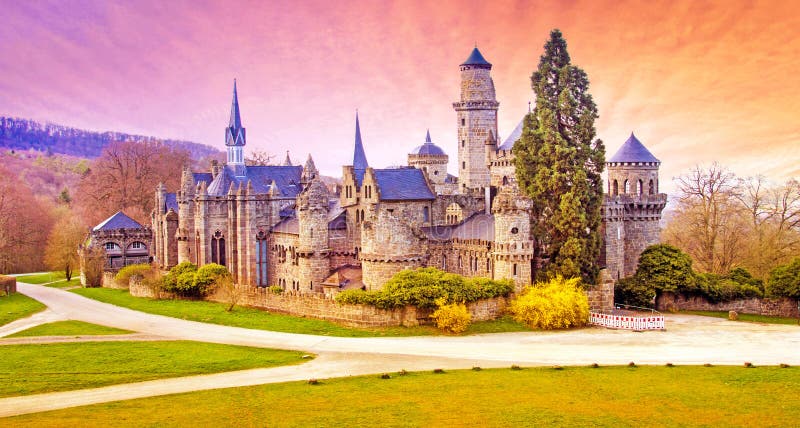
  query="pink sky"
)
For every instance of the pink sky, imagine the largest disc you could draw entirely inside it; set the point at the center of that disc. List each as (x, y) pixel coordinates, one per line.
(696, 81)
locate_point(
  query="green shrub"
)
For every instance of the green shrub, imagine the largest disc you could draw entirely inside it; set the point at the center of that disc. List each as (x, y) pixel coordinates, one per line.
(276, 289)
(784, 281)
(205, 279)
(124, 275)
(180, 279)
(453, 317)
(632, 291)
(721, 288)
(663, 267)
(556, 304)
(424, 287)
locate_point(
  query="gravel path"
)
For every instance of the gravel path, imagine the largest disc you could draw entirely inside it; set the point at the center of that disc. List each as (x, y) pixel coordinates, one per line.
(688, 340)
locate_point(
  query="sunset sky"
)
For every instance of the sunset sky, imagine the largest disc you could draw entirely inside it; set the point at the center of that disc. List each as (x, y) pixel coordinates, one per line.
(696, 81)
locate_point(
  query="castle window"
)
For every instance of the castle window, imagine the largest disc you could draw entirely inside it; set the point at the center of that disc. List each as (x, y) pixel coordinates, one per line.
(463, 122)
(362, 215)
(488, 265)
(425, 214)
(615, 189)
(505, 180)
(261, 259)
(463, 143)
(218, 248)
(110, 246)
(138, 245)
(436, 172)
(463, 165)
(514, 269)
(639, 188)
(460, 263)
(444, 262)
(514, 230)
(651, 190)
(627, 187)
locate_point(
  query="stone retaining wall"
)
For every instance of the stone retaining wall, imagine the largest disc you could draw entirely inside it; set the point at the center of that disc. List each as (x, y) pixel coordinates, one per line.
(319, 306)
(139, 289)
(771, 307)
(110, 282)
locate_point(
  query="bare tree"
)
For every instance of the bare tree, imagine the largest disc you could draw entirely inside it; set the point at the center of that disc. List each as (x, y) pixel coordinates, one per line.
(61, 252)
(259, 158)
(25, 221)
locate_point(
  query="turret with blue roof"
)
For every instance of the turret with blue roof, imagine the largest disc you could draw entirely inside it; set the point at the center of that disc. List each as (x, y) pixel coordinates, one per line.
(633, 170)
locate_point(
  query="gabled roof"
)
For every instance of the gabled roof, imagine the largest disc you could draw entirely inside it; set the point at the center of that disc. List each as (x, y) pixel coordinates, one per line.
(402, 184)
(475, 58)
(290, 225)
(513, 137)
(428, 148)
(633, 151)
(202, 176)
(479, 226)
(118, 221)
(287, 178)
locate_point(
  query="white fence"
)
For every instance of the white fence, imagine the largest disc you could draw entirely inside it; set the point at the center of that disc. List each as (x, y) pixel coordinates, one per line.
(628, 322)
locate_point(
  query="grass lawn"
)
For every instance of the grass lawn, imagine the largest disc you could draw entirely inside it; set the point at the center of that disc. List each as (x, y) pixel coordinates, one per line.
(746, 317)
(68, 328)
(52, 279)
(31, 369)
(17, 306)
(215, 313)
(604, 397)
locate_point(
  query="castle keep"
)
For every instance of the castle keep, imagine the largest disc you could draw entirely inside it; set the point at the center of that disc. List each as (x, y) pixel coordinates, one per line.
(282, 226)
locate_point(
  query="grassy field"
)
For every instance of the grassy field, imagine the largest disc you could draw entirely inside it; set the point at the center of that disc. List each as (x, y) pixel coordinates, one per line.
(746, 317)
(68, 328)
(30, 369)
(215, 313)
(51, 279)
(17, 306)
(604, 397)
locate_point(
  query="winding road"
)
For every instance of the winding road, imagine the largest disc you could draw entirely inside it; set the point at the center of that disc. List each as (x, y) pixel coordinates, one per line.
(688, 340)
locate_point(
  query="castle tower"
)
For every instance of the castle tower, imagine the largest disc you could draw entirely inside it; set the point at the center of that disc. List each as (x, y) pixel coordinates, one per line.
(632, 207)
(185, 199)
(235, 137)
(309, 172)
(313, 246)
(477, 121)
(430, 158)
(513, 248)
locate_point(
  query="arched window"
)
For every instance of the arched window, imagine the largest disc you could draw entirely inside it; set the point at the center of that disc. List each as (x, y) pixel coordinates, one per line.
(218, 248)
(425, 214)
(362, 215)
(460, 263)
(454, 213)
(627, 187)
(444, 262)
(615, 188)
(651, 189)
(639, 188)
(505, 180)
(112, 246)
(261, 259)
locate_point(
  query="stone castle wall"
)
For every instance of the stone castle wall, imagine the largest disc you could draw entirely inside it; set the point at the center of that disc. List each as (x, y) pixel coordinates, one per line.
(770, 307)
(321, 307)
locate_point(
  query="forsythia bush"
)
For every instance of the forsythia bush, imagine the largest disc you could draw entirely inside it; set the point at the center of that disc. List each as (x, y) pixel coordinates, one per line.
(454, 317)
(556, 304)
(124, 275)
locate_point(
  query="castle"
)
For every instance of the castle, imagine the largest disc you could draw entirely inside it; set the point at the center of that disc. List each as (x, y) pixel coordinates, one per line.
(282, 226)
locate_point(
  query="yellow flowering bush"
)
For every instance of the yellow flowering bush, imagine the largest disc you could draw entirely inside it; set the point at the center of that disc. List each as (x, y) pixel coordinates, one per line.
(454, 317)
(558, 303)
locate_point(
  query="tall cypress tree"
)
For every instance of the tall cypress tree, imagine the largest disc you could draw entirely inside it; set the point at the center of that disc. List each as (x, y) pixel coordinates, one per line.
(559, 164)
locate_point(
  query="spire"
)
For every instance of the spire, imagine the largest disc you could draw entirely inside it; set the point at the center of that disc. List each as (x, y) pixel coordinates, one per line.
(236, 119)
(428, 137)
(309, 171)
(475, 58)
(359, 158)
(235, 133)
(287, 161)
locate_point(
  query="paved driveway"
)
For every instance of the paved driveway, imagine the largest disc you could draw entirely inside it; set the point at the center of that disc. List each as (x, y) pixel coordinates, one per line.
(688, 340)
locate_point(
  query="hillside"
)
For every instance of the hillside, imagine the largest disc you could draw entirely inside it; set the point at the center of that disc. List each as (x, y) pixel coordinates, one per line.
(24, 134)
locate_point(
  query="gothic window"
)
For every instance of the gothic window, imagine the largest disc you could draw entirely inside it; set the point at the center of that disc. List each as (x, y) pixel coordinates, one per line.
(639, 188)
(505, 180)
(651, 190)
(358, 219)
(425, 214)
(488, 265)
(627, 187)
(460, 263)
(615, 190)
(218, 248)
(362, 215)
(444, 262)
(197, 247)
(261, 259)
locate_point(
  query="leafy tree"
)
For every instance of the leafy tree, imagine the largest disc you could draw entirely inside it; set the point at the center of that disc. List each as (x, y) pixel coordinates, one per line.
(665, 268)
(784, 281)
(559, 164)
(61, 252)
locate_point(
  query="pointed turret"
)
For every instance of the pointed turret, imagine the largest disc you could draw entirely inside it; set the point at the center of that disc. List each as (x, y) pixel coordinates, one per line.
(359, 158)
(309, 171)
(288, 160)
(235, 132)
(428, 136)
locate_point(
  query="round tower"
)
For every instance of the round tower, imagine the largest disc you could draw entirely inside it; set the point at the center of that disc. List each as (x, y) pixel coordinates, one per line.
(476, 113)
(513, 247)
(430, 158)
(313, 246)
(185, 199)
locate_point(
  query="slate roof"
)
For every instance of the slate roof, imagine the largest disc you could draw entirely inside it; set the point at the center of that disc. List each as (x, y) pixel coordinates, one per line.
(171, 201)
(428, 148)
(337, 219)
(475, 58)
(513, 137)
(478, 226)
(290, 225)
(287, 178)
(633, 151)
(402, 184)
(202, 176)
(118, 221)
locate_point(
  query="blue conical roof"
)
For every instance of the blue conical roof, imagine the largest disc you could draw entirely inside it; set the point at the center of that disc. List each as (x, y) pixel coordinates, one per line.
(475, 58)
(428, 148)
(633, 151)
(236, 118)
(359, 158)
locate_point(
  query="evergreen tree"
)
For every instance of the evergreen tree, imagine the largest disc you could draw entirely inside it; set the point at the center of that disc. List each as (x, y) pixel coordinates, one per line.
(559, 164)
